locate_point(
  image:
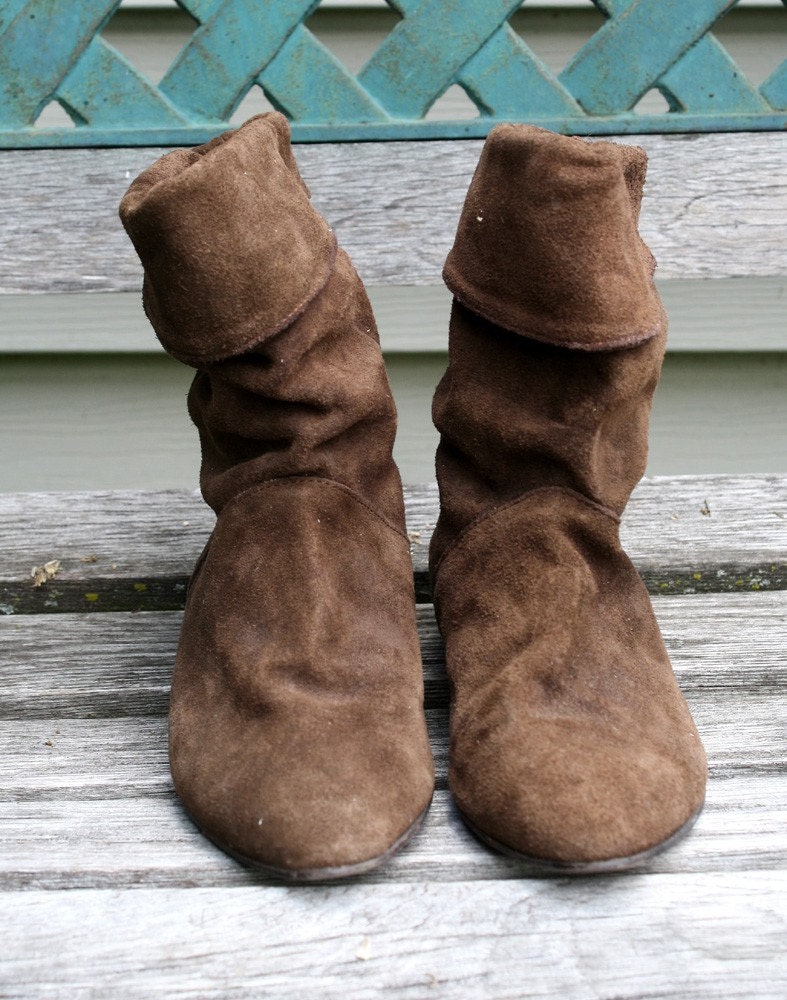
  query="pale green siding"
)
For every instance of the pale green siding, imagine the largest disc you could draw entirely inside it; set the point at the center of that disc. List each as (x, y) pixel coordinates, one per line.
(79, 413)
(76, 422)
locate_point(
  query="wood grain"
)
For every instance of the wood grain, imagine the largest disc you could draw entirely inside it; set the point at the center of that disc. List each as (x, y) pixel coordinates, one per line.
(708, 935)
(85, 787)
(77, 759)
(147, 840)
(107, 889)
(714, 208)
(134, 550)
(118, 664)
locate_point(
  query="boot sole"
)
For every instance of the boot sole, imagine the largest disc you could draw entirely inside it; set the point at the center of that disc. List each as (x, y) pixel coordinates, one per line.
(620, 864)
(329, 874)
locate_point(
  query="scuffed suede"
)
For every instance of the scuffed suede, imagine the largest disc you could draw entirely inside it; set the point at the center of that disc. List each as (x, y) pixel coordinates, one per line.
(582, 280)
(297, 734)
(571, 743)
(232, 248)
(311, 400)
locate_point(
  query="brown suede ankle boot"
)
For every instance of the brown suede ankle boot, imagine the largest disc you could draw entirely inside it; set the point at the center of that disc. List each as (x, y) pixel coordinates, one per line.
(297, 733)
(571, 744)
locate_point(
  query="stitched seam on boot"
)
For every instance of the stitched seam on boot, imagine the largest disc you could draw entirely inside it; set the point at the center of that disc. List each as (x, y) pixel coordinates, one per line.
(487, 514)
(632, 340)
(327, 482)
(256, 338)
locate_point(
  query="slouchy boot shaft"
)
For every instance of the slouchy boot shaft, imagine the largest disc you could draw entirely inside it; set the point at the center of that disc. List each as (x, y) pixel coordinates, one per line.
(243, 279)
(571, 744)
(546, 269)
(312, 400)
(297, 734)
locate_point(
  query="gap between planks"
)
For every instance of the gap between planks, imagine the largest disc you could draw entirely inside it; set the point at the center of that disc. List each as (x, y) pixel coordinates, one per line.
(119, 664)
(134, 550)
(148, 840)
(88, 801)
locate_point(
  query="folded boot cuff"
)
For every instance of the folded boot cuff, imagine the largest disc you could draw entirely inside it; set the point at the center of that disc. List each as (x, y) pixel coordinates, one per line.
(547, 244)
(232, 248)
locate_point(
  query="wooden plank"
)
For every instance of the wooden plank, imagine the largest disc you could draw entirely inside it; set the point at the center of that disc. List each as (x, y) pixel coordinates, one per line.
(118, 664)
(85, 787)
(69, 843)
(93, 813)
(734, 314)
(70, 757)
(707, 935)
(135, 550)
(714, 208)
(65, 758)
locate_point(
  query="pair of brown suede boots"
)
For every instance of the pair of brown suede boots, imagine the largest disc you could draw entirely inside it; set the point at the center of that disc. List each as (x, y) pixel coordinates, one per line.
(297, 734)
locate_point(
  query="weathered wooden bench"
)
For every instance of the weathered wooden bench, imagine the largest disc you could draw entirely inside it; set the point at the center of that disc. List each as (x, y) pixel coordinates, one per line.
(106, 889)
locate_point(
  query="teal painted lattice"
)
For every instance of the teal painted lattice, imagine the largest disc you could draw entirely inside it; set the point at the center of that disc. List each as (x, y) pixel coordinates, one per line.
(53, 50)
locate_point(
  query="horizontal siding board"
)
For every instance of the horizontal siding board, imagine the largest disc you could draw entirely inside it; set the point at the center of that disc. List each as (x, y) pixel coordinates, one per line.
(88, 422)
(714, 208)
(735, 314)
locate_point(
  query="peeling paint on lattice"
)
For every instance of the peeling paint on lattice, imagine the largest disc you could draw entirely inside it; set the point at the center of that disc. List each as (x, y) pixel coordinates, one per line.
(53, 51)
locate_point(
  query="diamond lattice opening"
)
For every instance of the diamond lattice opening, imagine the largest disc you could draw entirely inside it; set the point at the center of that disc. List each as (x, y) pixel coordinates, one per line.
(150, 39)
(54, 115)
(255, 102)
(652, 103)
(353, 36)
(454, 105)
(556, 35)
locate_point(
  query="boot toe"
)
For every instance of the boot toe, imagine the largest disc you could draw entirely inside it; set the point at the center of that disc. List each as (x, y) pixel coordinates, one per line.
(582, 801)
(571, 740)
(302, 805)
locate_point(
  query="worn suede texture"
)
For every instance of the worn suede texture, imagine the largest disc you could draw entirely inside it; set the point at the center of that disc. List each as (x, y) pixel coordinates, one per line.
(297, 733)
(571, 742)
(579, 277)
(232, 248)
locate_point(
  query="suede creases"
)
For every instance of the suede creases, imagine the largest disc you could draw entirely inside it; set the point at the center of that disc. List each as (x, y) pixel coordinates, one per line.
(570, 740)
(583, 281)
(571, 743)
(232, 248)
(297, 732)
(297, 736)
